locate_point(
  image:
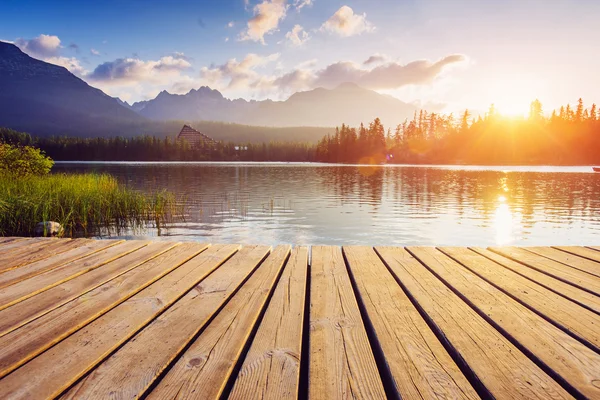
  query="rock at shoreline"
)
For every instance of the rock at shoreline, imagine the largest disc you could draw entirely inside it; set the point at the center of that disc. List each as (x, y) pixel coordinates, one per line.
(48, 228)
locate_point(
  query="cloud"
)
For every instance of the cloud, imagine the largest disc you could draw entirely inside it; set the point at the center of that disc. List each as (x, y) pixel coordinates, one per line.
(47, 48)
(297, 36)
(300, 4)
(345, 23)
(237, 74)
(71, 63)
(254, 77)
(387, 76)
(376, 59)
(129, 71)
(231, 24)
(267, 16)
(94, 52)
(40, 47)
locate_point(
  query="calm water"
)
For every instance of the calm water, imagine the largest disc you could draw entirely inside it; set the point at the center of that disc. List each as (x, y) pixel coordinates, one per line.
(383, 205)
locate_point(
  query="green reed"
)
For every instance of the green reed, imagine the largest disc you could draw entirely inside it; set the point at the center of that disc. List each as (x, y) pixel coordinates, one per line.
(85, 205)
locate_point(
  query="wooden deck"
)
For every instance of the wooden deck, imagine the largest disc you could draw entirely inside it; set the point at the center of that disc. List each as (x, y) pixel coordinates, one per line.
(85, 319)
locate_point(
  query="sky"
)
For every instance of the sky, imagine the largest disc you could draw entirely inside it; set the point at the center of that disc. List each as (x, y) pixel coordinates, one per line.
(438, 54)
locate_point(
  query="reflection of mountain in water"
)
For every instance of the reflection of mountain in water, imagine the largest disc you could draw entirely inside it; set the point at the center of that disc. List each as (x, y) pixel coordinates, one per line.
(375, 205)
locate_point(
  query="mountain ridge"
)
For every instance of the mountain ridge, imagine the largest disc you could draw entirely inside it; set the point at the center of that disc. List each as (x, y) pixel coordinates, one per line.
(353, 105)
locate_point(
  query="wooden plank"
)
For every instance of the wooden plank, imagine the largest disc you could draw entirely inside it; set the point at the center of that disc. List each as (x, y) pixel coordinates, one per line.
(19, 274)
(563, 354)
(580, 321)
(560, 271)
(131, 370)
(341, 364)
(271, 369)
(419, 364)
(35, 246)
(14, 244)
(52, 247)
(10, 239)
(55, 370)
(20, 345)
(30, 287)
(207, 364)
(581, 252)
(581, 297)
(569, 260)
(504, 370)
(34, 307)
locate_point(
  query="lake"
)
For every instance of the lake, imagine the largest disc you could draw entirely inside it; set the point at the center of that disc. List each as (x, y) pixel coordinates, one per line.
(273, 203)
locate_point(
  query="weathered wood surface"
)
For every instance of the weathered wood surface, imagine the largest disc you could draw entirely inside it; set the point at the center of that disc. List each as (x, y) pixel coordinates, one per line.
(584, 252)
(271, 369)
(575, 294)
(566, 356)
(419, 364)
(569, 260)
(494, 360)
(553, 268)
(341, 360)
(37, 284)
(37, 267)
(159, 320)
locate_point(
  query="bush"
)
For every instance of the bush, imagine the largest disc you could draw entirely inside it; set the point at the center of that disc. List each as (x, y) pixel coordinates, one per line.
(23, 161)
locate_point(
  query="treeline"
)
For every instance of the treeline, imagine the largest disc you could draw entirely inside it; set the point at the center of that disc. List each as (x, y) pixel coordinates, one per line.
(569, 136)
(151, 148)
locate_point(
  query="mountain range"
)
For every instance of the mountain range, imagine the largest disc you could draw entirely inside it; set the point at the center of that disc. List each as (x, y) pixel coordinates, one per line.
(348, 103)
(46, 99)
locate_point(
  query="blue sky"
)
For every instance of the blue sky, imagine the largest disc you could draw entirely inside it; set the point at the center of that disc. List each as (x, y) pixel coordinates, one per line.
(447, 55)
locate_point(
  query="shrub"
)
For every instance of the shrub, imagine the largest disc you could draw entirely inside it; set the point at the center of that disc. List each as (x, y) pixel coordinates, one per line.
(23, 161)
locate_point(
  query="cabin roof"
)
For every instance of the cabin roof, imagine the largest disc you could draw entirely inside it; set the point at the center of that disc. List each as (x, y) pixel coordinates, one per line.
(193, 136)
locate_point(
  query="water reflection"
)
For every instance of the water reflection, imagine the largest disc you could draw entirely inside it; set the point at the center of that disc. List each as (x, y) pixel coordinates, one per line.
(373, 205)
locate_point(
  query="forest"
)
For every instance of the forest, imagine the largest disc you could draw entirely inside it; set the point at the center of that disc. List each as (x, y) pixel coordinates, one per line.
(569, 136)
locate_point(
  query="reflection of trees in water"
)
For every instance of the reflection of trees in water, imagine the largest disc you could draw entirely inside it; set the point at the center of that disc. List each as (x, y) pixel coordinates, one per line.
(554, 197)
(351, 184)
(214, 193)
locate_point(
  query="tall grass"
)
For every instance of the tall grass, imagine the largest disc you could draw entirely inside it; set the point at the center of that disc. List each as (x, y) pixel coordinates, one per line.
(85, 205)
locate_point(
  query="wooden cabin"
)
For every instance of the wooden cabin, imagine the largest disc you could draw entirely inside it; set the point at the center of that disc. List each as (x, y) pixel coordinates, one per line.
(193, 137)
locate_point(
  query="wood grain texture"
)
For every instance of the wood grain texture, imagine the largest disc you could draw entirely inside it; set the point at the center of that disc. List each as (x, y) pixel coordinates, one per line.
(582, 264)
(55, 370)
(420, 366)
(30, 287)
(581, 297)
(581, 252)
(20, 243)
(560, 271)
(19, 274)
(51, 248)
(204, 368)
(22, 344)
(271, 369)
(341, 365)
(132, 369)
(8, 239)
(13, 253)
(34, 307)
(499, 365)
(566, 313)
(566, 356)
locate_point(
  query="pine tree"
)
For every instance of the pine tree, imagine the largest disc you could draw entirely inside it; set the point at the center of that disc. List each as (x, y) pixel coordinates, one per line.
(579, 112)
(593, 111)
